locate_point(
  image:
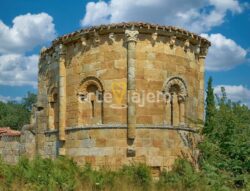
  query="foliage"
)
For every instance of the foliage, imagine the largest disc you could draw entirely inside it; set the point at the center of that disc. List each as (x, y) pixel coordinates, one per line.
(210, 109)
(226, 149)
(65, 174)
(29, 100)
(182, 177)
(14, 114)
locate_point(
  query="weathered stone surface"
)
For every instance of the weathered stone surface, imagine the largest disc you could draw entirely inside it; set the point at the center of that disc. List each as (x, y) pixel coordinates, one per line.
(139, 61)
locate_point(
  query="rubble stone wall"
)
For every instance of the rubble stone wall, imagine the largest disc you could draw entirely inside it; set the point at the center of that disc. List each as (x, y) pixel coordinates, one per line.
(11, 148)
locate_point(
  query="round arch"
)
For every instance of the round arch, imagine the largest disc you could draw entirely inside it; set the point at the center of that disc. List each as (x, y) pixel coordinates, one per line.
(176, 81)
(90, 80)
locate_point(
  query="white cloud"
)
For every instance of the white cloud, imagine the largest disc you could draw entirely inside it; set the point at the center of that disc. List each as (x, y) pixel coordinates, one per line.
(27, 32)
(97, 12)
(196, 15)
(224, 54)
(18, 70)
(232, 5)
(5, 99)
(235, 93)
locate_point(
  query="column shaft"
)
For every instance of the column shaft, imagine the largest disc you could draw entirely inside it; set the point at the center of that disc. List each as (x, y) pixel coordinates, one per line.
(131, 89)
(168, 112)
(62, 96)
(175, 110)
(131, 86)
(182, 112)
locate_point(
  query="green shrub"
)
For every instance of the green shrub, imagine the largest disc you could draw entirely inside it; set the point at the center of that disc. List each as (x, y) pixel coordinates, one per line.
(138, 175)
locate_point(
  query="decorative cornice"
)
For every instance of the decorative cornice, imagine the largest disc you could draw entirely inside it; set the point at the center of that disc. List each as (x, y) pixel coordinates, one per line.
(142, 28)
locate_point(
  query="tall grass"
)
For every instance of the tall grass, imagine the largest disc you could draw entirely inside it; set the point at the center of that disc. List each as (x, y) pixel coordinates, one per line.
(64, 174)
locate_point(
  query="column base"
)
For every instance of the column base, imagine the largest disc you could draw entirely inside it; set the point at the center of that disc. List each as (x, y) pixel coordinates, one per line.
(62, 151)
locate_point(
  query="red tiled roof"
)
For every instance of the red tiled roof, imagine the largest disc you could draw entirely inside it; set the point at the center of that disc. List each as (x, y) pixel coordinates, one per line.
(6, 131)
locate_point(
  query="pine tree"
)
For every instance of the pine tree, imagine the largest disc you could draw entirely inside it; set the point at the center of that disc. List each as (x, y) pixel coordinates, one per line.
(210, 108)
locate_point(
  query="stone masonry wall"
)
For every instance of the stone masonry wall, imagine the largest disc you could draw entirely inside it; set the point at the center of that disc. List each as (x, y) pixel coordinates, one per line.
(140, 59)
(11, 148)
(107, 146)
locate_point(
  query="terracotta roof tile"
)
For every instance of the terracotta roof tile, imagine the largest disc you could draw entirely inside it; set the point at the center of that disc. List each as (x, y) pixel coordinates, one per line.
(6, 131)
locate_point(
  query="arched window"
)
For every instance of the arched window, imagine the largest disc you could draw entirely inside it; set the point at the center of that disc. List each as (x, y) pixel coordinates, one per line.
(53, 113)
(176, 93)
(90, 101)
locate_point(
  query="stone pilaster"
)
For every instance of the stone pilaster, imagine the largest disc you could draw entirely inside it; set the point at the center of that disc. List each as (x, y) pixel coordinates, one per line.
(62, 97)
(131, 37)
(201, 62)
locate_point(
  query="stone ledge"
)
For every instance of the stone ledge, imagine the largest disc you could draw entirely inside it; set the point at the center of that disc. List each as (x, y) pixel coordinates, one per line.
(51, 131)
(169, 127)
(124, 126)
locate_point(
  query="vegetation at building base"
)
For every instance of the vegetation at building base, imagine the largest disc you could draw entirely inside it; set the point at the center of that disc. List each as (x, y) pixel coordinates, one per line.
(64, 174)
(16, 114)
(224, 162)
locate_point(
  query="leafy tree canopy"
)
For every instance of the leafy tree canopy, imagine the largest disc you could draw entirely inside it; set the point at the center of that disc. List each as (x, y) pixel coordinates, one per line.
(16, 114)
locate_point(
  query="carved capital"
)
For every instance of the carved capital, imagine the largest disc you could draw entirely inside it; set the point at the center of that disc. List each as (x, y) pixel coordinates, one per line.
(186, 45)
(197, 49)
(131, 35)
(203, 52)
(181, 98)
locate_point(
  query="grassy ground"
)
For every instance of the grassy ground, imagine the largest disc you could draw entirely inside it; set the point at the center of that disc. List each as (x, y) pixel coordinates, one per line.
(64, 174)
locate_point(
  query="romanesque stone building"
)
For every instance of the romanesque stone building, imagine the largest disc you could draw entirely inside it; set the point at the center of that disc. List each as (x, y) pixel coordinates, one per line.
(118, 93)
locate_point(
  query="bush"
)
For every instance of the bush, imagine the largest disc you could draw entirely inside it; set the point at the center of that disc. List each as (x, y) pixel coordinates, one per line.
(137, 174)
(182, 177)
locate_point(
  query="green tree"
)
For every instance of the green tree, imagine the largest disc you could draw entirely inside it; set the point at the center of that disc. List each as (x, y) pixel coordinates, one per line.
(29, 100)
(15, 114)
(225, 148)
(210, 108)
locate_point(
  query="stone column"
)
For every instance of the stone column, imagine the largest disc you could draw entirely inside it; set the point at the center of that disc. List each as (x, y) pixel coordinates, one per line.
(201, 62)
(175, 110)
(182, 110)
(168, 110)
(131, 36)
(62, 97)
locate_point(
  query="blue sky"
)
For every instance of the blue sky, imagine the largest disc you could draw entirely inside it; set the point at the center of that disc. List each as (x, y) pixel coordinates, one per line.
(27, 25)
